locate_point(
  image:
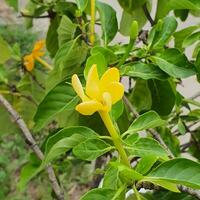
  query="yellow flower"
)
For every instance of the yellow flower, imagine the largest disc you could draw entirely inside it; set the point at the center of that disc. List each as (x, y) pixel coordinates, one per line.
(29, 60)
(99, 94)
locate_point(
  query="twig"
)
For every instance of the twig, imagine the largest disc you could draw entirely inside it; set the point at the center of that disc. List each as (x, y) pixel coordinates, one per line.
(32, 143)
(147, 14)
(190, 191)
(31, 16)
(36, 81)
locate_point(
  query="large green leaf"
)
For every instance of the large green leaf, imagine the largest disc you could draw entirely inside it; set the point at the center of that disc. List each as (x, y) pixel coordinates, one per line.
(161, 32)
(145, 147)
(143, 70)
(191, 39)
(66, 30)
(91, 149)
(163, 97)
(174, 63)
(5, 51)
(182, 34)
(108, 21)
(147, 120)
(99, 194)
(185, 4)
(180, 171)
(60, 98)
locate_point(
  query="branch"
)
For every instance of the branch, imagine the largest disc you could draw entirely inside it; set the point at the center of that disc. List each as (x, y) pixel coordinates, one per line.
(147, 14)
(190, 191)
(32, 143)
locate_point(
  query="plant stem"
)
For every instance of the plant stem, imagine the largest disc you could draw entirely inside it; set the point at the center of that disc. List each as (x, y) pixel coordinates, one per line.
(191, 101)
(137, 195)
(92, 22)
(115, 137)
(126, 55)
(44, 63)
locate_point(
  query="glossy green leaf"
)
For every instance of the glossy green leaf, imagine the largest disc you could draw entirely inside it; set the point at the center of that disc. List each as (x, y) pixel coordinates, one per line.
(147, 120)
(66, 30)
(163, 97)
(60, 98)
(162, 9)
(185, 4)
(180, 171)
(161, 32)
(99, 194)
(191, 39)
(145, 147)
(5, 51)
(108, 21)
(174, 63)
(143, 70)
(91, 149)
(117, 110)
(97, 59)
(131, 5)
(182, 34)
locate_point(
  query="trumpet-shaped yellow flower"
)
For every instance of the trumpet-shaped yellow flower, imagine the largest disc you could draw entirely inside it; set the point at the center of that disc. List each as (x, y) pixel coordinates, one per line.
(29, 60)
(99, 94)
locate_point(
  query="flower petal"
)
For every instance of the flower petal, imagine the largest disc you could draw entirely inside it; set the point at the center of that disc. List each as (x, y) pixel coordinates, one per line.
(89, 107)
(39, 45)
(107, 101)
(92, 84)
(29, 62)
(116, 90)
(76, 84)
(109, 76)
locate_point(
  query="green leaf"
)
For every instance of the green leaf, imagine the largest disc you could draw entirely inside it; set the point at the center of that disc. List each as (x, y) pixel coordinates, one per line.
(52, 36)
(145, 121)
(181, 127)
(162, 9)
(182, 34)
(127, 174)
(117, 109)
(143, 70)
(174, 63)
(5, 51)
(163, 97)
(82, 4)
(108, 53)
(145, 164)
(180, 171)
(108, 21)
(91, 149)
(97, 59)
(185, 4)
(140, 96)
(131, 5)
(111, 178)
(145, 147)
(191, 39)
(99, 194)
(66, 30)
(161, 33)
(62, 97)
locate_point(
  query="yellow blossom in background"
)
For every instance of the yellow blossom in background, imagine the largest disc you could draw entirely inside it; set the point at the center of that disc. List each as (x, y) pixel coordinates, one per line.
(29, 60)
(99, 94)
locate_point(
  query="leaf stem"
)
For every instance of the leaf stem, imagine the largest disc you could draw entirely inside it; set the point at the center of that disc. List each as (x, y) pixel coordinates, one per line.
(92, 22)
(136, 193)
(44, 63)
(115, 137)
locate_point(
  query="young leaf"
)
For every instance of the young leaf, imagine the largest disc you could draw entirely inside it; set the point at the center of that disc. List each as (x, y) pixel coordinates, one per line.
(82, 4)
(60, 98)
(180, 171)
(191, 39)
(91, 149)
(185, 4)
(108, 21)
(99, 194)
(145, 147)
(5, 51)
(147, 120)
(143, 71)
